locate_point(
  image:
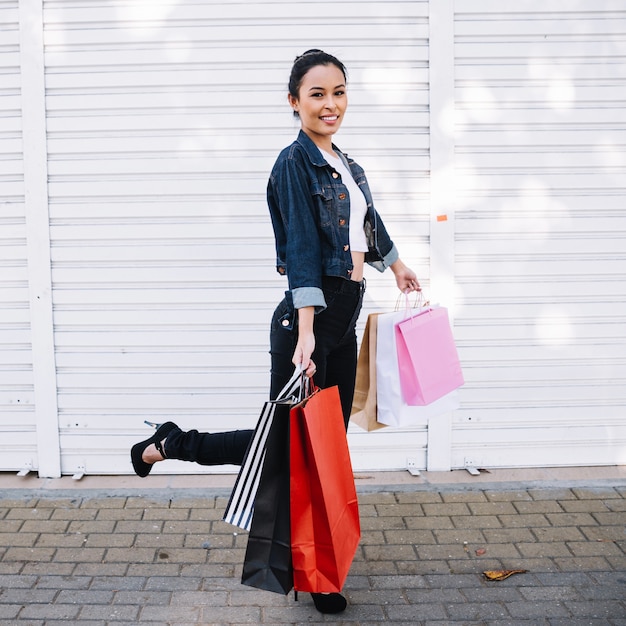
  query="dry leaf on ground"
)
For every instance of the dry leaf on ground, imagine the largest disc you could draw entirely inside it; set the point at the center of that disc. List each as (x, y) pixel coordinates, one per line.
(501, 574)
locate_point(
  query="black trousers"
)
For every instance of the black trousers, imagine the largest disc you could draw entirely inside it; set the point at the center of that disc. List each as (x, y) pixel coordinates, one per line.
(335, 357)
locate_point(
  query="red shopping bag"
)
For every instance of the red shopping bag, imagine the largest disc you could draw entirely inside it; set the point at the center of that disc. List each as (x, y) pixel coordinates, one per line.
(427, 357)
(325, 527)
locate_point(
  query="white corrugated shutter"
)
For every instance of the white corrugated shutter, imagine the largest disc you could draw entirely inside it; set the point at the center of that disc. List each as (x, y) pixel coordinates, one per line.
(17, 419)
(163, 122)
(160, 122)
(541, 232)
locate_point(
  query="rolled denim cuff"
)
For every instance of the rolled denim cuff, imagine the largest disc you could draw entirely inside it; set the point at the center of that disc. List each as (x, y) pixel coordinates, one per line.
(391, 257)
(308, 296)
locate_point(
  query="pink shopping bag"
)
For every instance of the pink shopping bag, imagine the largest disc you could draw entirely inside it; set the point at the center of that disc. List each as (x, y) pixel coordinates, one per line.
(427, 357)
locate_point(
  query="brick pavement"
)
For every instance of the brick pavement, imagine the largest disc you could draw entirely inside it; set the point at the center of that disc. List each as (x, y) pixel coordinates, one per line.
(163, 556)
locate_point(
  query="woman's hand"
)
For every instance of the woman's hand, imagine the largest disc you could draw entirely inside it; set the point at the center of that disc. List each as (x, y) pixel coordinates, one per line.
(306, 341)
(406, 279)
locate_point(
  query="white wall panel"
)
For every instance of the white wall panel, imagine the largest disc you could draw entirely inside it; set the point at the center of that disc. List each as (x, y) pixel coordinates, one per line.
(17, 420)
(163, 123)
(540, 232)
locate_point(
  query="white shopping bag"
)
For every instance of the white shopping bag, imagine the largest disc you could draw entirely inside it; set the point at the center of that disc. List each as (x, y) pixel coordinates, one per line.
(392, 409)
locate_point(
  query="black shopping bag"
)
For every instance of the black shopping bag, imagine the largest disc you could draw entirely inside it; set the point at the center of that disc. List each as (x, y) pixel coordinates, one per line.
(267, 564)
(241, 503)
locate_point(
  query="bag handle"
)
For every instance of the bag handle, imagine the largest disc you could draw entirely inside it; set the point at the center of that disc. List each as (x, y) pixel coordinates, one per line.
(419, 303)
(293, 389)
(298, 388)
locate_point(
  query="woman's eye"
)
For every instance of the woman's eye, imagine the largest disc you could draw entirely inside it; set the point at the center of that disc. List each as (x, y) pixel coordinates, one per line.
(340, 93)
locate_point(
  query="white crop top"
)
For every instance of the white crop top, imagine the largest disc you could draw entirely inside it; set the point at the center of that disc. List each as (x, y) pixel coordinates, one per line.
(358, 205)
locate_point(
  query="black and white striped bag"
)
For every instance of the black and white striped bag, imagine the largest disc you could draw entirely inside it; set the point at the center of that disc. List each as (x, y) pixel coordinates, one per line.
(241, 504)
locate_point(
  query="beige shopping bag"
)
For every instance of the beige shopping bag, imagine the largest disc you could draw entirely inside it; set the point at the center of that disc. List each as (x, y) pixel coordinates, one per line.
(364, 409)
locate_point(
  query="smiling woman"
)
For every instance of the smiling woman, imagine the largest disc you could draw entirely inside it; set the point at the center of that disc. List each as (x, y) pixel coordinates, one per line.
(325, 228)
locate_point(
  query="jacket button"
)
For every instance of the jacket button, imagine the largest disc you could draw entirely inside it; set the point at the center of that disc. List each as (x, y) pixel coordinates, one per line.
(335, 175)
(342, 222)
(285, 322)
(342, 196)
(346, 248)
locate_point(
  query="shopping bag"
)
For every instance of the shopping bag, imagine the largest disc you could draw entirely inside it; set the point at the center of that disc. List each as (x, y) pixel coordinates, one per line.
(427, 357)
(364, 402)
(241, 503)
(267, 564)
(392, 410)
(325, 527)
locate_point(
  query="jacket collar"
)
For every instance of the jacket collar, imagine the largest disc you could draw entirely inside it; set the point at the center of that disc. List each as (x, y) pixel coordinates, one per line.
(312, 151)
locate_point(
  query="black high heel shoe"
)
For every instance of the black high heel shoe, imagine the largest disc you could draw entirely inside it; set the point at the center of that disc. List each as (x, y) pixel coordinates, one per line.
(139, 465)
(329, 602)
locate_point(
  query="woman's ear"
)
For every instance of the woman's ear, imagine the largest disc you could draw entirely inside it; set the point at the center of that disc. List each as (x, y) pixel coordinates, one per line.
(293, 102)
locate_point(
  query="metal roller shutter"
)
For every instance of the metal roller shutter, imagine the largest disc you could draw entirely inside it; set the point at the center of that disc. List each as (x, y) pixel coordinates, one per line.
(540, 232)
(163, 121)
(18, 447)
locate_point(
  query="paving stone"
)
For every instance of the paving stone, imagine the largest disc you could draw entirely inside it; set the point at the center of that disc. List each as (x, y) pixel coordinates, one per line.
(118, 583)
(544, 549)
(432, 522)
(143, 597)
(29, 554)
(98, 569)
(27, 596)
(421, 567)
(74, 514)
(508, 535)
(77, 596)
(389, 552)
(599, 493)
(469, 521)
(111, 614)
(399, 510)
(17, 582)
(449, 508)
(406, 536)
(417, 497)
(571, 519)
(91, 526)
(44, 526)
(587, 506)
(507, 496)
(542, 506)
(552, 494)
(609, 519)
(531, 520)
(9, 613)
(458, 535)
(80, 555)
(531, 610)
(50, 612)
(492, 508)
(464, 496)
(21, 539)
(561, 533)
(104, 503)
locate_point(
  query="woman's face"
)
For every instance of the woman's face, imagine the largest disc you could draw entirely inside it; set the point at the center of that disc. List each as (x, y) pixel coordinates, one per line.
(321, 103)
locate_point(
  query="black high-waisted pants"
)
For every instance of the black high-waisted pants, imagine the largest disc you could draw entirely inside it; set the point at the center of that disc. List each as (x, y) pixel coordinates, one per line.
(335, 357)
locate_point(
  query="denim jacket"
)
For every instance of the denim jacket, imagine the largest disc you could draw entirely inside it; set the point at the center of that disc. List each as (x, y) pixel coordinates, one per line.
(310, 210)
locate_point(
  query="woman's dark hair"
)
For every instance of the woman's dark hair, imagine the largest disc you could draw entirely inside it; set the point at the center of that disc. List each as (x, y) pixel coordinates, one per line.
(306, 61)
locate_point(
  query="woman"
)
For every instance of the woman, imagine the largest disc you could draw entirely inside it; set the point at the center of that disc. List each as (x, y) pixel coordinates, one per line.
(326, 229)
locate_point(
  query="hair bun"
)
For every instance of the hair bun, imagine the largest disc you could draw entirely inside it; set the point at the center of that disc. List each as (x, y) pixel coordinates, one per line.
(307, 53)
